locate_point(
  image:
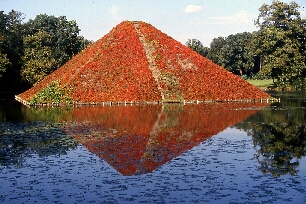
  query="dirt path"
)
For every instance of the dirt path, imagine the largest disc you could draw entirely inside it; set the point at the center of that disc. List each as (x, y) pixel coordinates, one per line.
(149, 54)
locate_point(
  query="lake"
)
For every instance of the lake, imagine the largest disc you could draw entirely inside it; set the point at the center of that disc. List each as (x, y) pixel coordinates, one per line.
(204, 153)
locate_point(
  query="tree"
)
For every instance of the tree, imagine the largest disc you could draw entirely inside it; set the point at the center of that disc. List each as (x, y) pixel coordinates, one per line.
(64, 35)
(215, 53)
(235, 56)
(280, 43)
(232, 54)
(50, 43)
(38, 59)
(197, 46)
(11, 49)
(4, 64)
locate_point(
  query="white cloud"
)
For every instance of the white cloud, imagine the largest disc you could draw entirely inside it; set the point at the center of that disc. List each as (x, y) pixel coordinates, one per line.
(193, 9)
(238, 18)
(303, 13)
(114, 10)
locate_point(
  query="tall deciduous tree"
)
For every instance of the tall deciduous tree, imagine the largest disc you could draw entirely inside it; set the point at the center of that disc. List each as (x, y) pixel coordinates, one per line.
(232, 54)
(197, 46)
(280, 43)
(215, 53)
(235, 55)
(38, 59)
(4, 64)
(51, 42)
(64, 35)
(11, 49)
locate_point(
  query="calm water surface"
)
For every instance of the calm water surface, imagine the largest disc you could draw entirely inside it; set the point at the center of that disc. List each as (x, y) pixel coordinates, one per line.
(206, 153)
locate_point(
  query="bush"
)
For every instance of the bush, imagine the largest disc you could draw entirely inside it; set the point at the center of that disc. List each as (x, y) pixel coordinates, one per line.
(52, 94)
(245, 77)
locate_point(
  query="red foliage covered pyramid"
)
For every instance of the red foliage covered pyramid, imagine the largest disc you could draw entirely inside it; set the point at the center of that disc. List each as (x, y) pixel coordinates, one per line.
(135, 62)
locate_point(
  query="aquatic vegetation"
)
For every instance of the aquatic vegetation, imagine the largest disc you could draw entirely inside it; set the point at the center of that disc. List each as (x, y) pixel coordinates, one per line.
(24, 140)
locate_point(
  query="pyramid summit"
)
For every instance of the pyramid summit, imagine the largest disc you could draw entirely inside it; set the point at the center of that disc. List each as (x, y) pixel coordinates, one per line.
(135, 62)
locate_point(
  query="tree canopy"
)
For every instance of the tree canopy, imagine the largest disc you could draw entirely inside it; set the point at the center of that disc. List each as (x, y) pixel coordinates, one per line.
(276, 50)
(38, 58)
(11, 48)
(29, 51)
(230, 52)
(280, 43)
(50, 42)
(197, 46)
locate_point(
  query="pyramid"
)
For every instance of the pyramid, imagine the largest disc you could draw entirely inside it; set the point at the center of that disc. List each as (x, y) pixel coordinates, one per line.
(136, 63)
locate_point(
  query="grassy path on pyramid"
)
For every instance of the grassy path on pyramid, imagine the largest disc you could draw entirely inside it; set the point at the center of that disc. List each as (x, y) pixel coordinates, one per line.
(148, 50)
(170, 92)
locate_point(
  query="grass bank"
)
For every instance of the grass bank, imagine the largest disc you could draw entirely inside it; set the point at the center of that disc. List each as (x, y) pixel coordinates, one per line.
(265, 84)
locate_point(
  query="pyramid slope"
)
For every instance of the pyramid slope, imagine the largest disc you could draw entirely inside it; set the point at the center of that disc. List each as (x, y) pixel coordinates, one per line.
(135, 62)
(194, 77)
(112, 69)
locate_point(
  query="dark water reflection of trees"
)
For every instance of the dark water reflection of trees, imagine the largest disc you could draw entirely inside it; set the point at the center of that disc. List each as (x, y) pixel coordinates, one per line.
(279, 134)
(19, 141)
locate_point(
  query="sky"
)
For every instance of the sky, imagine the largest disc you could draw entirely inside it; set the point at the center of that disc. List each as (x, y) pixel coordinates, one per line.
(181, 19)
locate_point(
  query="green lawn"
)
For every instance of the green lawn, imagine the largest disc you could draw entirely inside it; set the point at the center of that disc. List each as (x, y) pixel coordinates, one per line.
(262, 84)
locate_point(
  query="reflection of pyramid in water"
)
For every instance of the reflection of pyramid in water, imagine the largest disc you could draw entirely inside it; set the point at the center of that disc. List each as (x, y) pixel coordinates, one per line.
(138, 139)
